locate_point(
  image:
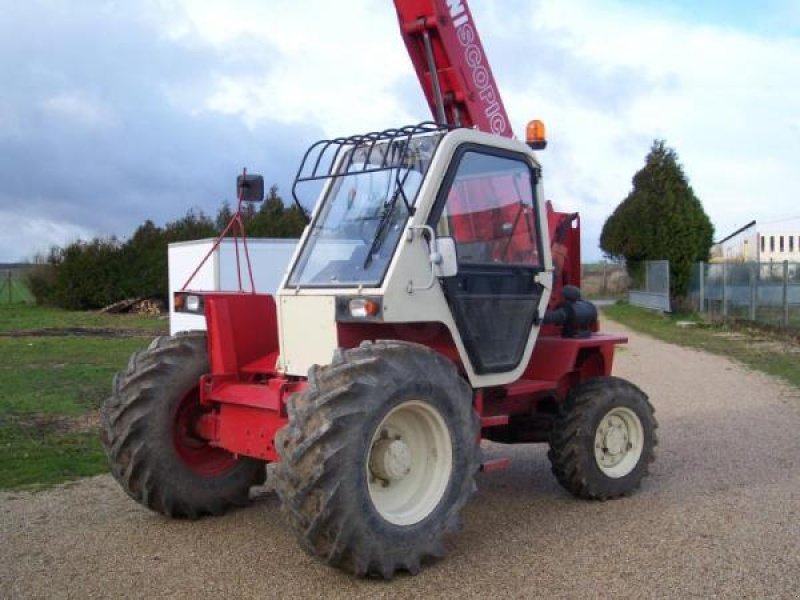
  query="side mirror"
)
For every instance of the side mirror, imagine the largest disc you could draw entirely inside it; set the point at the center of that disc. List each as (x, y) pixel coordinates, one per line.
(444, 259)
(250, 188)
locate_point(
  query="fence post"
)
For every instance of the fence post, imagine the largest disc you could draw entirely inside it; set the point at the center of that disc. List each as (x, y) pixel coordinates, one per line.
(8, 285)
(700, 288)
(786, 293)
(724, 290)
(605, 278)
(753, 290)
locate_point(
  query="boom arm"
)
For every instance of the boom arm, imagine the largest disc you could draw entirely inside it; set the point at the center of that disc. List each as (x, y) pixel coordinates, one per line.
(451, 64)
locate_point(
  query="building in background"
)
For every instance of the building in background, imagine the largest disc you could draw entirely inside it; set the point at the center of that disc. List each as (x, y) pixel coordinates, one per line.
(779, 241)
(740, 246)
(771, 242)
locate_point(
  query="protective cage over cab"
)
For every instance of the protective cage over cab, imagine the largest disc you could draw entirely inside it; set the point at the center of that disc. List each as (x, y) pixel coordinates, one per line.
(438, 232)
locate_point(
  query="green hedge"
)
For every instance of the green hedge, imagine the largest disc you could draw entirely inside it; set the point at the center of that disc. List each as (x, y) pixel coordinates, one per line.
(93, 274)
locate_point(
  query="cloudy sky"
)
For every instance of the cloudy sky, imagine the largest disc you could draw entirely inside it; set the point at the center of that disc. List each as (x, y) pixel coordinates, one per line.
(112, 112)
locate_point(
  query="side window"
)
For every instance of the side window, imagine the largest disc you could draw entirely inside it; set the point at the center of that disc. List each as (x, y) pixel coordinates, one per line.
(490, 211)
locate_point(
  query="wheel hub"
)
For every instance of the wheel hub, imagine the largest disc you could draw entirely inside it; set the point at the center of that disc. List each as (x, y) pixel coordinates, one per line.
(618, 442)
(192, 446)
(390, 460)
(409, 462)
(615, 438)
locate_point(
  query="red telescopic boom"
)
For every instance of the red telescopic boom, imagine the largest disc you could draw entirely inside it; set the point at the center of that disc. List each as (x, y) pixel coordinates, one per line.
(451, 64)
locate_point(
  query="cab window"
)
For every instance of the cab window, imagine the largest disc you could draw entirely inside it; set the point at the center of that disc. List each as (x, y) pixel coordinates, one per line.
(490, 212)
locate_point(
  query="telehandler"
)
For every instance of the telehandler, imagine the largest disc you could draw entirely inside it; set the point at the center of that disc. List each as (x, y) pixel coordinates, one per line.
(432, 302)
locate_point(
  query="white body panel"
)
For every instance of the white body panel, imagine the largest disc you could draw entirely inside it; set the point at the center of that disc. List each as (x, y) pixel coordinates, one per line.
(269, 258)
(410, 268)
(307, 331)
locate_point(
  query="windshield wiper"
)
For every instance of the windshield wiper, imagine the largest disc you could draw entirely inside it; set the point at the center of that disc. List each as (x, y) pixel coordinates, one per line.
(386, 217)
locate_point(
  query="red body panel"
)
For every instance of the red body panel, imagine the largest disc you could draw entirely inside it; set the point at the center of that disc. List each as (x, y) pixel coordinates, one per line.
(565, 247)
(433, 335)
(241, 329)
(246, 394)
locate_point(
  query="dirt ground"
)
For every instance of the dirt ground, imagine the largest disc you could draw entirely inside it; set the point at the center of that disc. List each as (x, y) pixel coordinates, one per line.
(719, 516)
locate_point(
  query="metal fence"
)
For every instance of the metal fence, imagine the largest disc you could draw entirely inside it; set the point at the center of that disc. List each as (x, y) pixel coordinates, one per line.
(604, 280)
(653, 291)
(13, 288)
(767, 293)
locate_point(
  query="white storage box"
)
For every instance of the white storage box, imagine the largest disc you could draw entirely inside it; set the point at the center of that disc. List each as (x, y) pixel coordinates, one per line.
(268, 257)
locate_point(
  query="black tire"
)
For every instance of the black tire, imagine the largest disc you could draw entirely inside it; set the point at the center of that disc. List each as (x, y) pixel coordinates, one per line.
(572, 442)
(140, 439)
(322, 477)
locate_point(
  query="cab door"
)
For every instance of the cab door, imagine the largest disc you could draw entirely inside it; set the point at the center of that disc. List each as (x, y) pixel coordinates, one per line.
(487, 205)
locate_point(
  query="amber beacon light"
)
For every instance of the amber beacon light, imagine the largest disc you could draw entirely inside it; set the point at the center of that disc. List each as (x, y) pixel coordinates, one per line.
(534, 135)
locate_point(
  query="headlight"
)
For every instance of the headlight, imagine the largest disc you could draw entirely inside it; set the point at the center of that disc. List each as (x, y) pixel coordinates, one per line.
(364, 307)
(359, 308)
(191, 303)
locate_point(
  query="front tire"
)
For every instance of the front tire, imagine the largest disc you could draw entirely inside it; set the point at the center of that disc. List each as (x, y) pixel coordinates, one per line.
(603, 440)
(379, 458)
(147, 433)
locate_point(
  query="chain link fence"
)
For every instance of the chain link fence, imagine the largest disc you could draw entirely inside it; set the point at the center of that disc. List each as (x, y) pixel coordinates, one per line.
(13, 288)
(766, 293)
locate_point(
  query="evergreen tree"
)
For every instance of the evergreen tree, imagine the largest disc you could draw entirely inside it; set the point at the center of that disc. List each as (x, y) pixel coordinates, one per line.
(224, 216)
(660, 219)
(274, 219)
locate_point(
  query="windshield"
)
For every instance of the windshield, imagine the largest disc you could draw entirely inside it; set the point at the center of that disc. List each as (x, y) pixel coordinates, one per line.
(364, 213)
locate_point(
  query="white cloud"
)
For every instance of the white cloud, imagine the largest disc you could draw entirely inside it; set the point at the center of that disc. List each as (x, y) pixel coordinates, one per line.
(22, 236)
(335, 67)
(79, 108)
(721, 97)
(606, 76)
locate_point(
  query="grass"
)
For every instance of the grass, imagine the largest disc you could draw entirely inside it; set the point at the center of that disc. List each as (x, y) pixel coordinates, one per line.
(14, 290)
(59, 375)
(16, 317)
(770, 353)
(52, 387)
(37, 459)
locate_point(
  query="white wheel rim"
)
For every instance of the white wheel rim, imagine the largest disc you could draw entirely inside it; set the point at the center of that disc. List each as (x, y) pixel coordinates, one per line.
(409, 463)
(618, 442)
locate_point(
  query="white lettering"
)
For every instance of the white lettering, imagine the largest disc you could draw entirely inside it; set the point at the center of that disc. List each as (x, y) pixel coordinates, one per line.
(488, 95)
(456, 7)
(481, 76)
(473, 56)
(466, 35)
(498, 124)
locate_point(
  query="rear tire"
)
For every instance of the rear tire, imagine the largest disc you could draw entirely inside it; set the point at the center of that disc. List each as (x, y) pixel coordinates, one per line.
(147, 435)
(379, 458)
(603, 440)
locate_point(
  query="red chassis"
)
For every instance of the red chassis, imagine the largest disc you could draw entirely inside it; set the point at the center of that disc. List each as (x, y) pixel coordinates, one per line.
(244, 396)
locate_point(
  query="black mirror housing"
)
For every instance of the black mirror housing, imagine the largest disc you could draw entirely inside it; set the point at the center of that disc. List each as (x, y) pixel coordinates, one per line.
(250, 188)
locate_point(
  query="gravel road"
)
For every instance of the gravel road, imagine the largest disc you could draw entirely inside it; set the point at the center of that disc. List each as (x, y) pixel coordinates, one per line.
(719, 516)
